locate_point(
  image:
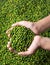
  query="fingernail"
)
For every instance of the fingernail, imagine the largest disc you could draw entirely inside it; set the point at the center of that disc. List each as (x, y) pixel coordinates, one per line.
(18, 53)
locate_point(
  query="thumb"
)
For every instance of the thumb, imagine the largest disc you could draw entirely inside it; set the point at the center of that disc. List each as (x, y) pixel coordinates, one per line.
(24, 53)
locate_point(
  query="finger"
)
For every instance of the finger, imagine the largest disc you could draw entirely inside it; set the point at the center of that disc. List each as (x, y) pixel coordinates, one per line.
(23, 23)
(14, 51)
(24, 53)
(9, 44)
(15, 24)
(8, 31)
(9, 35)
(11, 49)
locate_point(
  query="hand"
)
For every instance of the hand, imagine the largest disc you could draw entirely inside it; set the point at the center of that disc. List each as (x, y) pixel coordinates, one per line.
(33, 47)
(27, 24)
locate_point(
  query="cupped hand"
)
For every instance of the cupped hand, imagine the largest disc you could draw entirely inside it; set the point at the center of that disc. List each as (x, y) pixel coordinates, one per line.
(27, 24)
(33, 47)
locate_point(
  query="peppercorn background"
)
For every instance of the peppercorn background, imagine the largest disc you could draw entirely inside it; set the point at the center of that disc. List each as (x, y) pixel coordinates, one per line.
(12, 11)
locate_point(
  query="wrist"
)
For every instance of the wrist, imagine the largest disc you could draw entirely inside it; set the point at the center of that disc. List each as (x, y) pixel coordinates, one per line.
(37, 39)
(34, 28)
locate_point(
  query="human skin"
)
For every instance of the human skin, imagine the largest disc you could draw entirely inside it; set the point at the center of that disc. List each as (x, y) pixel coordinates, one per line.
(38, 41)
(43, 24)
(45, 43)
(37, 28)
